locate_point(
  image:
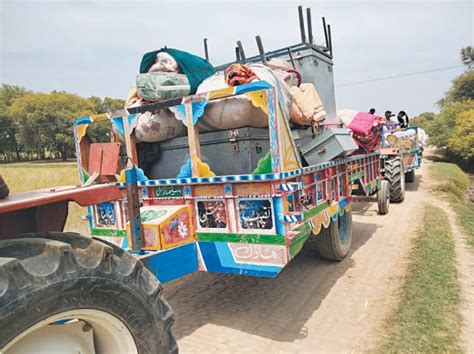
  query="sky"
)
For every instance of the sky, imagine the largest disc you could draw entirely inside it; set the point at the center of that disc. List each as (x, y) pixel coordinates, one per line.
(95, 47)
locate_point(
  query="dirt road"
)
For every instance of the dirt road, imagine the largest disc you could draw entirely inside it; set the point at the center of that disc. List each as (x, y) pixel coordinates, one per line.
(313, 304)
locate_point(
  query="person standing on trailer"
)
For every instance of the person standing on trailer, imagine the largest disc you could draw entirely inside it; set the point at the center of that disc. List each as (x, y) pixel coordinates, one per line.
(388, 124)
(402, 118)
(372, 111)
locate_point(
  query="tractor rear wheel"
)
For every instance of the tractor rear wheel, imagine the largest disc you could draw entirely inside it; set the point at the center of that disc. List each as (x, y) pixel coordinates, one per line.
(63, 290)
(334, 242)
(395, 176)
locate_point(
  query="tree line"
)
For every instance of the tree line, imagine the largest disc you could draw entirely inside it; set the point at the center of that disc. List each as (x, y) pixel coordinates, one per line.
(453, 128)
(36, 125)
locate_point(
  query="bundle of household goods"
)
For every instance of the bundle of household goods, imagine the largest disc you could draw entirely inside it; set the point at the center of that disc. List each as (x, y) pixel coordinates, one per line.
(165, 74)
(170, 73)
(366, 129)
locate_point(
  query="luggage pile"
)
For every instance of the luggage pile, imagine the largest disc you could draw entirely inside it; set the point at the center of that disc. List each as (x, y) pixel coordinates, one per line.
(171, 73)
(300, 103)
(366, 130)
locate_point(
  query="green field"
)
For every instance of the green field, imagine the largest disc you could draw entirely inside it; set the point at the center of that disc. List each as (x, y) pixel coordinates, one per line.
(23, 177)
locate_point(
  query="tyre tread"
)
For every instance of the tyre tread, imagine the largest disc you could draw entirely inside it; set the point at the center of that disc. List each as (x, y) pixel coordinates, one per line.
(76, 255)
(393, 174)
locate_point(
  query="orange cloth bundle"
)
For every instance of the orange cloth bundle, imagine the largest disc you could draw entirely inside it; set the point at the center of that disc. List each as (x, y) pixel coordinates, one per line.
(238, 74)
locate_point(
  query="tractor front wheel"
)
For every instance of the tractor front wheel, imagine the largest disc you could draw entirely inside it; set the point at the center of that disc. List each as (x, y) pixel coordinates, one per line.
(383, 197)
(64, 292)
(395, 176)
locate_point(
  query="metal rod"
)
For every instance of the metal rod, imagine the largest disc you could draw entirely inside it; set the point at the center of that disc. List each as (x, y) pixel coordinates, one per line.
(300, 14)
(241, 50)
(290, 54)
(260, 49)
(206, 51)
(237, 55)
(330, 39)
(310, 25)
(326, 33)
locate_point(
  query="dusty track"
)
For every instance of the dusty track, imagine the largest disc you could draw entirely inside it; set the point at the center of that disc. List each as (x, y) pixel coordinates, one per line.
(313, 305)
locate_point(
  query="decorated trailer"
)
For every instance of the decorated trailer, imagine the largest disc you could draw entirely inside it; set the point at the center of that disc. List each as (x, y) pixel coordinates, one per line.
(249, 224)
(242, 201)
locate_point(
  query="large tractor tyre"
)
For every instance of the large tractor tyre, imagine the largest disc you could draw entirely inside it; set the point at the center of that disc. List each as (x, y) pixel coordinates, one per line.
(334, 242)
(395, 176)
(383, 198)
(63, 290)
(410, 176)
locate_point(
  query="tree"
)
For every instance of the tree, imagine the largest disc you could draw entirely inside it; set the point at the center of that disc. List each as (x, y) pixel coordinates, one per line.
(45, 121)
(107, 105)
(462, 89)
(467, 56)
(100, 132)
(8, 128)
(443, 127)
(423, 120)
(461, 142)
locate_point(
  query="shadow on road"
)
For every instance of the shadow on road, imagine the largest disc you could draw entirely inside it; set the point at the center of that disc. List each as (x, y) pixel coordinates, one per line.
(275, 308)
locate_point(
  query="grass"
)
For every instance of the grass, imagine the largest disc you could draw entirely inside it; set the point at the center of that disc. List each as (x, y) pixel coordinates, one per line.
(23, 177)
(427, 318)
(453, 183)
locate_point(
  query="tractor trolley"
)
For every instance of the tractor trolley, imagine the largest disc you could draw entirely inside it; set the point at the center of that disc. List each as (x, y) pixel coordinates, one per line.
(102, 294)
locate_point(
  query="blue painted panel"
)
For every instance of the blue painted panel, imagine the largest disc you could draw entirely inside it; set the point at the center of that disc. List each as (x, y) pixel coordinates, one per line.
(217, 258)
(173, 263)
(279, 222)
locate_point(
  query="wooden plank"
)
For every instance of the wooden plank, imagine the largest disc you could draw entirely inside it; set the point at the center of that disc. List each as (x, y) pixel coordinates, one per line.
(128, 141)
(193, 140)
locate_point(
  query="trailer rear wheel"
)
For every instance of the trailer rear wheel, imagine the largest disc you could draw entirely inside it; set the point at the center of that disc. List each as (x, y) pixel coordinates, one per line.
(51, 282)
(410, 176)
(395, 176)
(334, 242)
(383, 198)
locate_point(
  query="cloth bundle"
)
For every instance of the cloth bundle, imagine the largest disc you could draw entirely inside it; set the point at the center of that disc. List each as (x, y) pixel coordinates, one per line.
(195, 68)
(238, 74)
(306, 105)
(159, 86)
(366, 131)
(165, 74)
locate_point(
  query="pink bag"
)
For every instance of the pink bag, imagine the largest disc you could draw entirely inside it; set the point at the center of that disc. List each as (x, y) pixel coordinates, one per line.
(366, 131)
(363, 123)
